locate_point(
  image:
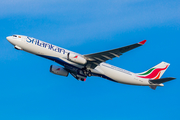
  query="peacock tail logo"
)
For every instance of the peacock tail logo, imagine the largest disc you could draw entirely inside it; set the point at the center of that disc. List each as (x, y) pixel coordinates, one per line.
(153, 73)
(76, 56)
(58, 68)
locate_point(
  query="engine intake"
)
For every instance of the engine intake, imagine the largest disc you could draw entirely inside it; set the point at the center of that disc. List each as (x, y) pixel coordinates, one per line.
(76, 58)
(58, 70)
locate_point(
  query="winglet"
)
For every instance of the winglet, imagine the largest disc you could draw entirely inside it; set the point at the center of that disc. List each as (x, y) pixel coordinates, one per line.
(142, 42)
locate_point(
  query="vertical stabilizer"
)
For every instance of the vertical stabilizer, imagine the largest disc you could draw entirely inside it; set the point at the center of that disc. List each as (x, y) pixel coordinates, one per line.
(155, 72)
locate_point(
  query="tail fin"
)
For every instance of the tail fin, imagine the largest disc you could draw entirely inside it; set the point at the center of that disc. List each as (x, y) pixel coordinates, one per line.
(156, 72)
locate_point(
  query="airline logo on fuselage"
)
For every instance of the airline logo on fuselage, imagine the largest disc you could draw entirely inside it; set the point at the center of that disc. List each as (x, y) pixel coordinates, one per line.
(45, 45)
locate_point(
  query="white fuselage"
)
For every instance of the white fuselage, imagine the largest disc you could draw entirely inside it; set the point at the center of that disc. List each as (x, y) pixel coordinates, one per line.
(59, 55)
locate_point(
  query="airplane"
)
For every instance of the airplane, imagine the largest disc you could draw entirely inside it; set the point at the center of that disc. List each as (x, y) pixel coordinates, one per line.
(83, 66)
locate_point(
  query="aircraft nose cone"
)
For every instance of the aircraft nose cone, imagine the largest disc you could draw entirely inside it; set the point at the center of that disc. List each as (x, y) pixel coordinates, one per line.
(9, 38)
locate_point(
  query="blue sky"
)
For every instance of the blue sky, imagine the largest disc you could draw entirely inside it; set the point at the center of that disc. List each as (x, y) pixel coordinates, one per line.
(29, 91)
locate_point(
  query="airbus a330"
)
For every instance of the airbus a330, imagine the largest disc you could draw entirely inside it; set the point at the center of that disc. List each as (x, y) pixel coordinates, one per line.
(83, 66)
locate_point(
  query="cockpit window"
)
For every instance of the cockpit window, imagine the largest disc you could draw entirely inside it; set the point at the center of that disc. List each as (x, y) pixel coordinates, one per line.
(14, 35)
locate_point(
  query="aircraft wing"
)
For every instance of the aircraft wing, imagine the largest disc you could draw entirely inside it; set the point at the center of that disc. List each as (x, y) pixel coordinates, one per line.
(96, 58)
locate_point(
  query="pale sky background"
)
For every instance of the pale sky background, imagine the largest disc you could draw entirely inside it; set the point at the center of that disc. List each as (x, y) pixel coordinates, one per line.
(29, 91)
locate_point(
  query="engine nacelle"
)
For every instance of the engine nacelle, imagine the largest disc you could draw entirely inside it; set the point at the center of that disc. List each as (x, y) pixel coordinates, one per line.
(58, 70)
(76, 58)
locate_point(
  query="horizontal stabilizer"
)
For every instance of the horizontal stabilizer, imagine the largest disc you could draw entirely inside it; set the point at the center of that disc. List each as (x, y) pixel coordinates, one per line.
(162, 80)
(153, 87)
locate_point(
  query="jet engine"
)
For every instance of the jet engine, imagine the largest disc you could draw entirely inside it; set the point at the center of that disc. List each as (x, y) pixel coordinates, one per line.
(58, 70)
(76, 58)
